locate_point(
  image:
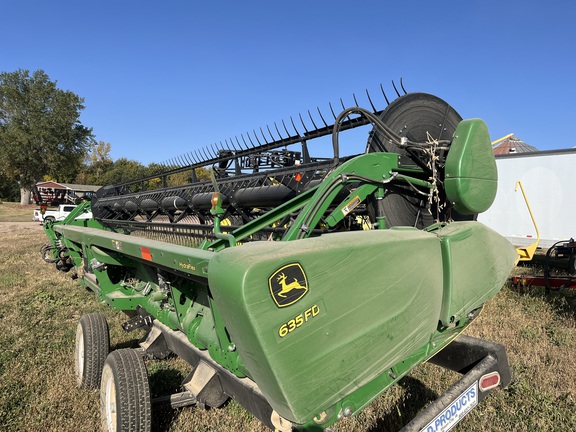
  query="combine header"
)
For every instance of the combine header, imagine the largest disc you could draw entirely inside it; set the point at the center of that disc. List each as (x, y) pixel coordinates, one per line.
(301, 286)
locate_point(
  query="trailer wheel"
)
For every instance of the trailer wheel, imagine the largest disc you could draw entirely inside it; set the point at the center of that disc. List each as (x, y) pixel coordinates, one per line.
(91, 349)
(572, 264)
(125, 403)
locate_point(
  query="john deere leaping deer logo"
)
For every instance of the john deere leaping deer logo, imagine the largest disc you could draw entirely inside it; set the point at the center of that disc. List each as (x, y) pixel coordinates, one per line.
(288, 285)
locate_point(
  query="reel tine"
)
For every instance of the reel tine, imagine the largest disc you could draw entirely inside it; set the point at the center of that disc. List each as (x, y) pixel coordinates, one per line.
(322, 117)
(294, 126)
(395, 89)
(256, 136)
(355, 101)
(303, 124)
(342, 103)
(232, 143)
(214, 152)
(278, 132)
(402, 85)
(245, 144)
(272, 136)
(199, 156)
(384, 94)
(206, 157)
(230, 146)
(237, 142)
(251, 142)
(312, 120)
(332, 110)
(263, 136)
(285, 128)
(370, 100)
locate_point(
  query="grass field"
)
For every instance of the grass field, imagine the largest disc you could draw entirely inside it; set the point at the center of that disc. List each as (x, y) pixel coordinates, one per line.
(14, 212)
(40, 307)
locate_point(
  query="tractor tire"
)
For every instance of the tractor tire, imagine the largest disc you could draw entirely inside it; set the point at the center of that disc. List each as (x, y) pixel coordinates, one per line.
(125, 403)
(49, 219)
(91, 349)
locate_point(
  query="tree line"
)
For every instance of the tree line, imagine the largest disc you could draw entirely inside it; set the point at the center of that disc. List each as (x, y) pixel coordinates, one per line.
(42, 138)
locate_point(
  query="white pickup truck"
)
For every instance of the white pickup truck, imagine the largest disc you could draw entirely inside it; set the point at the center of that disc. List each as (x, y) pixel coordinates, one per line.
(53, 215)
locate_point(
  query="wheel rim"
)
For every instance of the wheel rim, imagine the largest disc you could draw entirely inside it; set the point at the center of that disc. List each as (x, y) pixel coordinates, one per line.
(110, 402)
(79, 355)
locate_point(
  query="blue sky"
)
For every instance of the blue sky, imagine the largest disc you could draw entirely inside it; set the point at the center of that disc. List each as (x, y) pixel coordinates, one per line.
(163, 78)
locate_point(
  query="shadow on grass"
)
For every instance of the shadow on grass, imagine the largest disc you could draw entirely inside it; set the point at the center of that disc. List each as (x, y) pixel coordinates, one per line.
(126, 344)
(417, 396)
(164, 382)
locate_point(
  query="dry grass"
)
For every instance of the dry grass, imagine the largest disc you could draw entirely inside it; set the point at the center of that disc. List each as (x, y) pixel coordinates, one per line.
(39, 309)
(14, 212)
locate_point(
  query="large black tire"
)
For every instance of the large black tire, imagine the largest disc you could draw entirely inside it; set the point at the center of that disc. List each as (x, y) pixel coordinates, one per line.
(125, 403)
(91, 349)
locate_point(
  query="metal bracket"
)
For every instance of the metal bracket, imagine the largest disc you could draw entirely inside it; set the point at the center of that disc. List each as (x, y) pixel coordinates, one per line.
(137, 322)
(205, 384)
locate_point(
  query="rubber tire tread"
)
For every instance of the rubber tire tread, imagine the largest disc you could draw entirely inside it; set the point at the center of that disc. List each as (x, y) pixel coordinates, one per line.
(133, 403)
(96, 348)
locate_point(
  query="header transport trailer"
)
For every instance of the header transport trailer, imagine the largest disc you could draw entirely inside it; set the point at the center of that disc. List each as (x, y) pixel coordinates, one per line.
(302, 287)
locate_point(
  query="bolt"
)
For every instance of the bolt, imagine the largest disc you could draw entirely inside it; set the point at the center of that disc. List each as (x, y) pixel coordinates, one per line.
(231, 347)
(348, 412)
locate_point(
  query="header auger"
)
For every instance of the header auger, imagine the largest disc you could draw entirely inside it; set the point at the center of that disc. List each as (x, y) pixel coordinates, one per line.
(302, 286)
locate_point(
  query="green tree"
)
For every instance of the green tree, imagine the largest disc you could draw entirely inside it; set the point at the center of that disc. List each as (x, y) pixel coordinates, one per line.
(9, 190)
(96, 163)
(124, 170)
(178, 179)
(40, 130)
